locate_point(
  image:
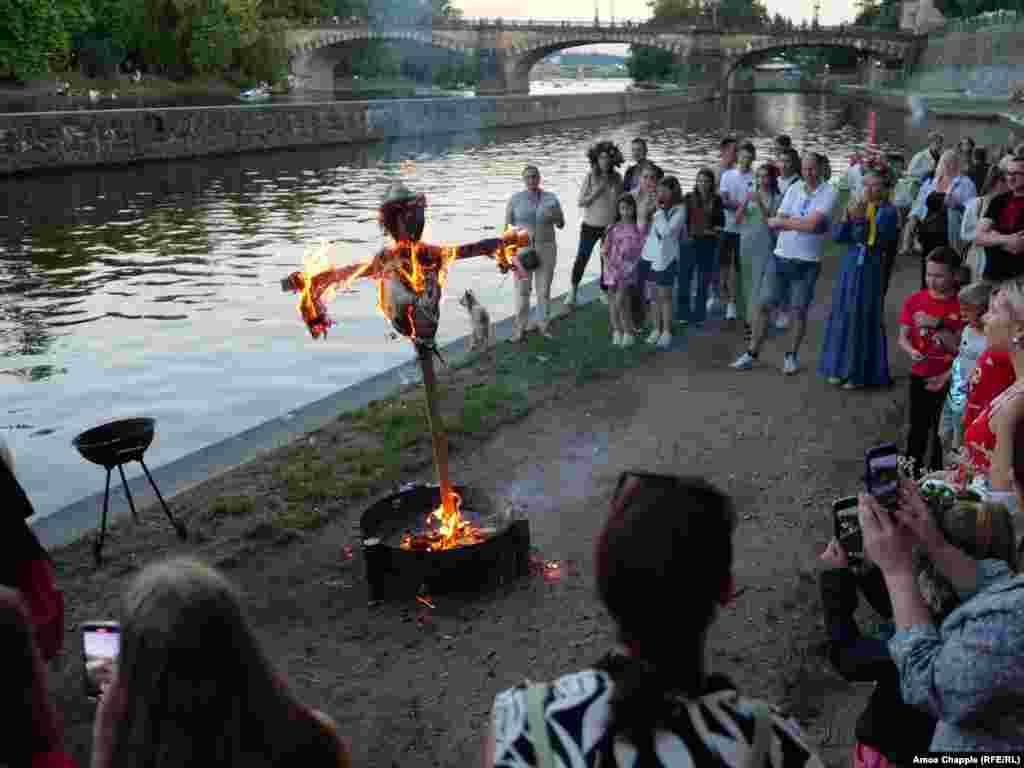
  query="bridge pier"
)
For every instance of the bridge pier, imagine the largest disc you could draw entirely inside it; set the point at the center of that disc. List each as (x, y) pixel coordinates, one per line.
(500, 73)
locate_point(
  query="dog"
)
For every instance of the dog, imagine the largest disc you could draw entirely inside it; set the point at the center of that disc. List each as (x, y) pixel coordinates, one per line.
(480, 320)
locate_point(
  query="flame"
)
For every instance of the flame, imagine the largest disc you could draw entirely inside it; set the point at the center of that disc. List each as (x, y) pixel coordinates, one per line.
(311, 303)
(447, 529)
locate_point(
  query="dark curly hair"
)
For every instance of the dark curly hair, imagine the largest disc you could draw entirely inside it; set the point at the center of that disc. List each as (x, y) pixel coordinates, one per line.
(605, 146)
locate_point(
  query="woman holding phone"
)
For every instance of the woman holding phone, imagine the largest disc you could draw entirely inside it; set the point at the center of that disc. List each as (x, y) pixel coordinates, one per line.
(194, 687)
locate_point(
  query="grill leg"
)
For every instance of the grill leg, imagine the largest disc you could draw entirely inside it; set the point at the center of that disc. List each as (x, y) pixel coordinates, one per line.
(128, 493)
(178, 525)
(97, 546)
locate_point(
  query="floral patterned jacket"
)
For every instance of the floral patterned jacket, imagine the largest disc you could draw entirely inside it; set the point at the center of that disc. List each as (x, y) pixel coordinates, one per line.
(969, 672)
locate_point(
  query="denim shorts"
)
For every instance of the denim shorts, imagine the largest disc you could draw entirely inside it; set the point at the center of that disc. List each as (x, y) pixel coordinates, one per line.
(665, 278)
(789, 283)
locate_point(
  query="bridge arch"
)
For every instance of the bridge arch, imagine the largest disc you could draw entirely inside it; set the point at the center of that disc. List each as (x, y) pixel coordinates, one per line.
(314, 61)
(885, 50)
(527, 57)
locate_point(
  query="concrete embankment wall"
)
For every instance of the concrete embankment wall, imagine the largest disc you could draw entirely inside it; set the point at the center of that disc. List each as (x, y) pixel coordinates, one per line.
(63, 140)
(984, 62)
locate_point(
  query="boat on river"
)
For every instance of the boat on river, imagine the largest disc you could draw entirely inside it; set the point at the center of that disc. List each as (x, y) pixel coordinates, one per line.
(255, 95)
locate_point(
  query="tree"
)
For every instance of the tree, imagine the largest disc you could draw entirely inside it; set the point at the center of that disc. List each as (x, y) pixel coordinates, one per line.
(214, 36)
(881, 14)
(675, 11)
(645, 63)
(32, 30)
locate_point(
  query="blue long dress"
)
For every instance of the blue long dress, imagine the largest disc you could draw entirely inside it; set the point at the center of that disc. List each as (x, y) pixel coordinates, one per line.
(855, 344)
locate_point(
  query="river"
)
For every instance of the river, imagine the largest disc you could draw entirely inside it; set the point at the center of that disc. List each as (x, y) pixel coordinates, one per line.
(154, 290)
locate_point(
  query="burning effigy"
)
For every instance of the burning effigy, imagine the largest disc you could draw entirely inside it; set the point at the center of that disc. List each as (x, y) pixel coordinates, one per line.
(411, 276)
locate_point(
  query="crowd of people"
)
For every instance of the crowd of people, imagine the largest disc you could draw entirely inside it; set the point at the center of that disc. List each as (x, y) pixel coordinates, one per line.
(949, 666)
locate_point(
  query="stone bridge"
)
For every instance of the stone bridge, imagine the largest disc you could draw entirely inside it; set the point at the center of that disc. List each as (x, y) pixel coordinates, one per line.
(507, 50)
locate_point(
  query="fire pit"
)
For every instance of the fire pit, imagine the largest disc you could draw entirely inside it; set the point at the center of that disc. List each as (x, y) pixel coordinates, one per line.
(400, 562)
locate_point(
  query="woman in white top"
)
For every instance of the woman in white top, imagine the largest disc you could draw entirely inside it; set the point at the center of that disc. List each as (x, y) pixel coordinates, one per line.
(599, 200)
(539, 212)
(936, 216)
(995, 184)
(659, 261)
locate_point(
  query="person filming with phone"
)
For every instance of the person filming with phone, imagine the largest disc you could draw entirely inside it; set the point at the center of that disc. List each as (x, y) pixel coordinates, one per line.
(957, 604)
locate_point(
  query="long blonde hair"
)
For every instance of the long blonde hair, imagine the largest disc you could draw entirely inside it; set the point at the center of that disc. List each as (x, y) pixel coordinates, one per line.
(195, 686)
(942, 170)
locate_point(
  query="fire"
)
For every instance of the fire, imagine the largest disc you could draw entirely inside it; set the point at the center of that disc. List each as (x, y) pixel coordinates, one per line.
(514, 239)
(312, 306)
(447, 529)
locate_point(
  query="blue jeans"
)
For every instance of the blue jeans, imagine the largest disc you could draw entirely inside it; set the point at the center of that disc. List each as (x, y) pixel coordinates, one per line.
(589, 237)
(694, 256)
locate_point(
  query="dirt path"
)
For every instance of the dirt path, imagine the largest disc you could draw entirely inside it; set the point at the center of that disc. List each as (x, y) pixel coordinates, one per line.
(413, 686)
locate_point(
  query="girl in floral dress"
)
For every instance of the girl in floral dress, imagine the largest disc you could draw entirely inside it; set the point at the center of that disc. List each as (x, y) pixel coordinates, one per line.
(622, 246)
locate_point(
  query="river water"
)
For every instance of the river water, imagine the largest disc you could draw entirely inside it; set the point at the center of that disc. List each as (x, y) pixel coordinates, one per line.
(154, 290)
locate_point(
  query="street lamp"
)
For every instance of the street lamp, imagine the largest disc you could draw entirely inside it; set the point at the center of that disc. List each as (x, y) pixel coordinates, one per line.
(713, 6)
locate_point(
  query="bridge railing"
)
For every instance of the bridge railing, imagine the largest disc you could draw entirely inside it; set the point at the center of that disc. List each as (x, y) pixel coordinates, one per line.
(637, 24)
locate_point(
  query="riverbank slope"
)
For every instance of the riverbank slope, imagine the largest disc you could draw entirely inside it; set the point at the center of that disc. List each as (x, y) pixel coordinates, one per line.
(412, 685)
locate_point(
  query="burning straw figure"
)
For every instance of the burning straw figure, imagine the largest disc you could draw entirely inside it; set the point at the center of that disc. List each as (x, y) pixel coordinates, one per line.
(410, 276)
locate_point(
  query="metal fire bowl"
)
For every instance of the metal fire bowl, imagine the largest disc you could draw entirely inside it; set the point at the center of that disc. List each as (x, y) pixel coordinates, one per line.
(395, 573)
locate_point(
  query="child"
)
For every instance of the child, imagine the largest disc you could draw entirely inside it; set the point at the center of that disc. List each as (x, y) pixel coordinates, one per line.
(659, 260)
(623, 243)
(973, 305)
(930, 326)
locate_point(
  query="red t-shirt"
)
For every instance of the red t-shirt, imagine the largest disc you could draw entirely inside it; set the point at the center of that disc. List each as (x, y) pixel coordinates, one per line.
(992, 375)
(1007, 211)
(938, 358)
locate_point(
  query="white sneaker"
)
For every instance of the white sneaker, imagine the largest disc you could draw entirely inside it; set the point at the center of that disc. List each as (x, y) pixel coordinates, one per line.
(654, 336)
(712, 303)
(665, 340)
(730, 311)
(628, 340)
(603, 298)
(782, 321)
(790, 365)
(571, 300)
(744, 362)
(617, 339)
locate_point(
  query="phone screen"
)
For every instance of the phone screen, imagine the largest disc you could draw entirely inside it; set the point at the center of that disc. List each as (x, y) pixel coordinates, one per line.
(883, 475)
(101, 645)
(847, 527)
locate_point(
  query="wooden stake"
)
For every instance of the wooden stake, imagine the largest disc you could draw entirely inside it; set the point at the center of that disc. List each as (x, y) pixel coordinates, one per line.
(437, 434)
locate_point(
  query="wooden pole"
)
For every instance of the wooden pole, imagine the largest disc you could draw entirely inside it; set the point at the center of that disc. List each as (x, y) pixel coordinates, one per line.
(437, 434)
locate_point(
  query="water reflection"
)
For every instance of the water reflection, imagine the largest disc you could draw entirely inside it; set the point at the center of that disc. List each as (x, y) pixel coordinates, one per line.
(154, 290)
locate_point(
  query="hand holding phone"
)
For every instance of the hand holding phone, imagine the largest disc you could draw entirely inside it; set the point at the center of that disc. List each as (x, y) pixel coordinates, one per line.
(846, 527)
(101, 645)
(882, 474)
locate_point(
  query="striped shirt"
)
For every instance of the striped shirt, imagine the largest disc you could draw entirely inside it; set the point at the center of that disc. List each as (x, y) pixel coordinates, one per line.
(716, 729)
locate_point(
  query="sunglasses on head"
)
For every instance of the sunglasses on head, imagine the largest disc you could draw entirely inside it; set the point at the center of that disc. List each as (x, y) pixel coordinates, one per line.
(630, 480)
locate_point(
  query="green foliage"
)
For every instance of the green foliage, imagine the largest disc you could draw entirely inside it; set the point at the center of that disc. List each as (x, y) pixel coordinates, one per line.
(31, 31)
(736, 12)
(215, 36)
(266, 57)
(650, 64)
(231, 506)
(882, 14)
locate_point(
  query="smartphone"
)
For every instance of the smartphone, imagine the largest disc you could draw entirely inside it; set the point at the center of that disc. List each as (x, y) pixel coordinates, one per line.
(882, 475)
(101, 644)
(847, 527)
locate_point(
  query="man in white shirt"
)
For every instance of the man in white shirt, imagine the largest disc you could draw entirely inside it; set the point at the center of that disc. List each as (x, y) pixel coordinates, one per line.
(790, 171)
(735, 185)
(803, 223)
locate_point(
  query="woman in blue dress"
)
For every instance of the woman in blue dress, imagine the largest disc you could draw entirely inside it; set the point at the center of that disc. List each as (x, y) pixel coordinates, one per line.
(855, 353)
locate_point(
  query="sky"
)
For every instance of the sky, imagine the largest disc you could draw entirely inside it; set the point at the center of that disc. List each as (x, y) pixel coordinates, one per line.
(832, 11)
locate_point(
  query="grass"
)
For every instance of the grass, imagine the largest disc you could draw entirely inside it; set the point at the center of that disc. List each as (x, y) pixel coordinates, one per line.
(315, 479)
(231, 506)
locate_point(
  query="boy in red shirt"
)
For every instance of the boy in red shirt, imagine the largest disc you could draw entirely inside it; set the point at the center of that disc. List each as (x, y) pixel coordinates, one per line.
(930, 326)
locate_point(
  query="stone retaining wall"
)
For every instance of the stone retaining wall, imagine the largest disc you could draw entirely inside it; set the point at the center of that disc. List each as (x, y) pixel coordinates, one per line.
(62, 140)
(984, 62)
